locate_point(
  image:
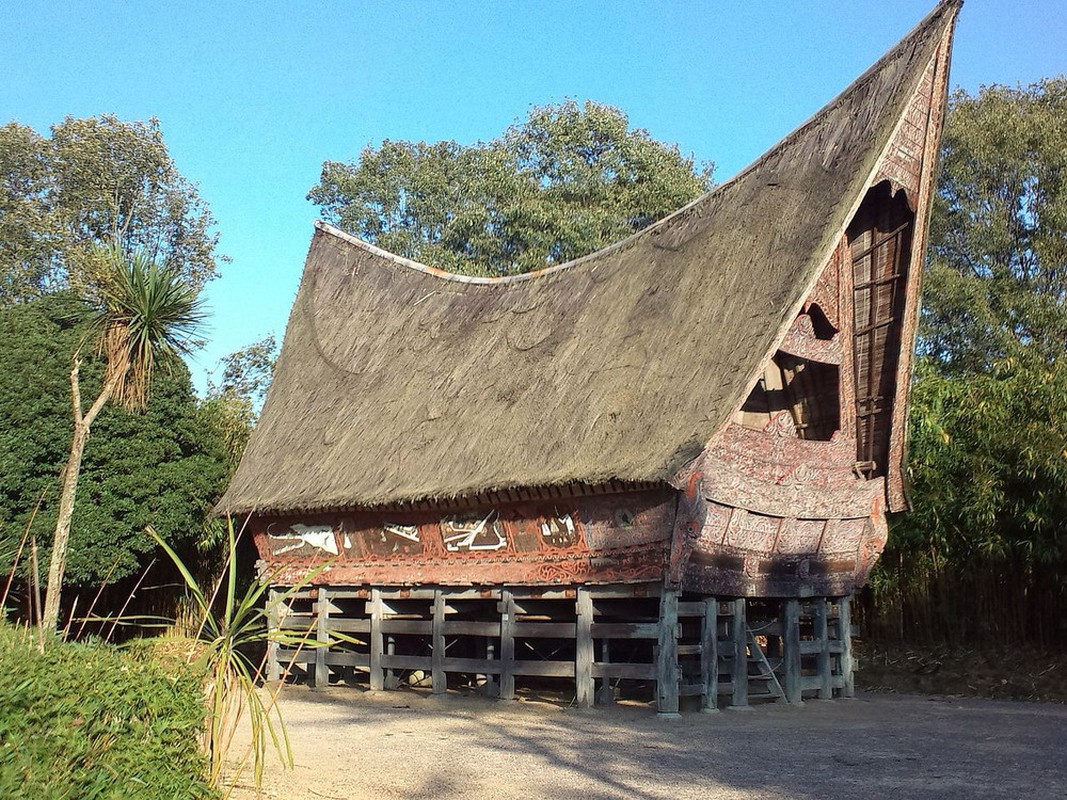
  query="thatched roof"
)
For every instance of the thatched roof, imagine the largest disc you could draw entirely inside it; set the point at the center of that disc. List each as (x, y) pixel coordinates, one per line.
(398, 382)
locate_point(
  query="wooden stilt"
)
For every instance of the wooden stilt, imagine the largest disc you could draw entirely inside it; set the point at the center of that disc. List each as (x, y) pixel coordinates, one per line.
(507, 645)
(583, 662)
(437, 664)
(709, 655)
(739, 674)
(377, 681)
(605, 695)
(791, 650)
(845, 632)
(491, 688)
(392, 680)
(822, 636)
(667, 655)
(322, 638)
(274, 669)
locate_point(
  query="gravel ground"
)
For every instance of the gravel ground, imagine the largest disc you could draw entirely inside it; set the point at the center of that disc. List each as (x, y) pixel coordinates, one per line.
(352, 744)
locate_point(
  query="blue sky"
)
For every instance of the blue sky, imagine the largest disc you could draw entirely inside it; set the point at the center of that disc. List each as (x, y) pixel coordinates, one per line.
(252, 98)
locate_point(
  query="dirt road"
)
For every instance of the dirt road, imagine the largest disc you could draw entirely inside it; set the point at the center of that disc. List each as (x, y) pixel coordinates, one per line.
(351, 744)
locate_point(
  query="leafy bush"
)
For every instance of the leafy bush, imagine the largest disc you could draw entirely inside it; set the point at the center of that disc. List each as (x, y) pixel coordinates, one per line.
(90, 721)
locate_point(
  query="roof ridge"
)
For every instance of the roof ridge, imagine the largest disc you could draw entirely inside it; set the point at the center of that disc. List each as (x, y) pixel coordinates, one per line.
(869, 74)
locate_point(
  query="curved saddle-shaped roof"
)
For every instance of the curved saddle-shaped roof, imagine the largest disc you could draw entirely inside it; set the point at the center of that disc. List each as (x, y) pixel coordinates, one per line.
(398, 382)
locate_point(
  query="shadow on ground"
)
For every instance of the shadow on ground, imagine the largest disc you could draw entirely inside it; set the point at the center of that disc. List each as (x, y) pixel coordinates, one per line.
(353, 744)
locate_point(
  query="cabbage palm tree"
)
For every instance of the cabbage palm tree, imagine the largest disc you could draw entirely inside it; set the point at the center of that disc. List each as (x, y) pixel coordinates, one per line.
(145, 314)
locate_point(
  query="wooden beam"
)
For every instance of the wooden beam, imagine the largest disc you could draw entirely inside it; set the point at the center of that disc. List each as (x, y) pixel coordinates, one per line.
(709, 656)
(377, 679)
(641, 672)
(507, 645)
(667, 655)
(583, 659)
(439, 679)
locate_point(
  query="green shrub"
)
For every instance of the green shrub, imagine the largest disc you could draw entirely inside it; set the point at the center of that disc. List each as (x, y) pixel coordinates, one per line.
(85, 721)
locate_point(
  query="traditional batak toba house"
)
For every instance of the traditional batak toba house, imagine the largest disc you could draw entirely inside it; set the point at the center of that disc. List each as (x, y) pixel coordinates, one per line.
(666, 464)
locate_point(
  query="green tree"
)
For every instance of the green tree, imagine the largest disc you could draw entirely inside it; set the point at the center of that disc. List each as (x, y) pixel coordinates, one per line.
(94, 180)
(163, 467)
(147, 313)
(997, 281)
(570, 179)
(983, 553)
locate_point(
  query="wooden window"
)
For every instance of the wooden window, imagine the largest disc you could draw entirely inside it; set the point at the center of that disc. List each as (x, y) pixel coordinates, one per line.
(880, 242)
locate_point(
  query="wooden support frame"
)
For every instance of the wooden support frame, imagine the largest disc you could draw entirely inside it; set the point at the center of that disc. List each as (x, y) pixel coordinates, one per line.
(681, 647)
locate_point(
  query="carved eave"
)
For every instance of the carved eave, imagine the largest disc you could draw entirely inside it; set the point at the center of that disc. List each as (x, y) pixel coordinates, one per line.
(935, 85)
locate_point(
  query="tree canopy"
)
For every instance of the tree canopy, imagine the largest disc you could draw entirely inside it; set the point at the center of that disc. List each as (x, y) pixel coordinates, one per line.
(570, 179)
(997, 282)
(94, 180)
(163, 467)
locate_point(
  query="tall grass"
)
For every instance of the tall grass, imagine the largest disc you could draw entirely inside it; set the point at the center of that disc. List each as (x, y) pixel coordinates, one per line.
(232, 634)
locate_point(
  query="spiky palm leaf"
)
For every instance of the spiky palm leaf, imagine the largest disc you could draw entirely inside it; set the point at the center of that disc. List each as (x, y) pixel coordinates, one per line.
(148, 313)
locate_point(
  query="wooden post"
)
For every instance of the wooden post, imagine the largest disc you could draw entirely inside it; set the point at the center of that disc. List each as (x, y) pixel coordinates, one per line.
(274, 669)
(845, 632)
(739, 676)
(392, 679)
(709, 655)
(377, 681)
(791, 650)
(322, 638)
(822, 636)
(605, 695)
(491, 687)
(667, 655)
(437, 661)
(583, 660)
(507, 645)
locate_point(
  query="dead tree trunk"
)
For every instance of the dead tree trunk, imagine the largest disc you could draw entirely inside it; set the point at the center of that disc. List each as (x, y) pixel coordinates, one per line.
(69, 478)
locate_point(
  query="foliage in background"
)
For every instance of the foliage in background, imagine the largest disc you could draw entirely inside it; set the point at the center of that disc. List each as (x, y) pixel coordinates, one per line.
(983, 555)
(85, 721)
(164, 467)
(94, 180)
(570, 179)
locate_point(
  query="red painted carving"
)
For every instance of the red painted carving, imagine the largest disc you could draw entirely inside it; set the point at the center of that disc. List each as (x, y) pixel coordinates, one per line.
(600, 538)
